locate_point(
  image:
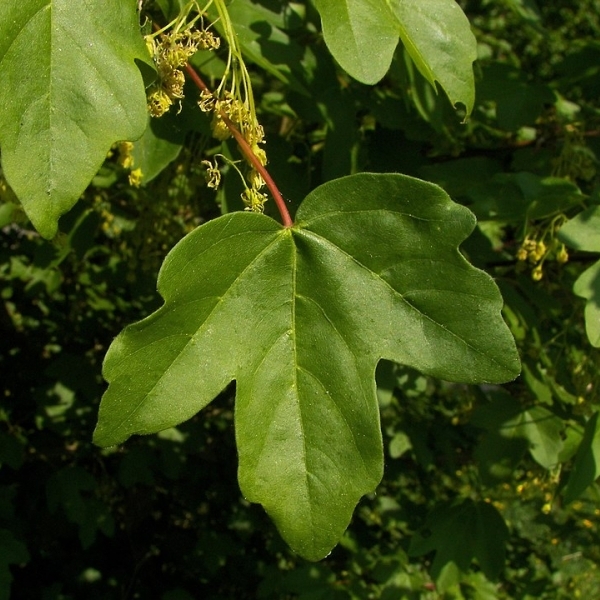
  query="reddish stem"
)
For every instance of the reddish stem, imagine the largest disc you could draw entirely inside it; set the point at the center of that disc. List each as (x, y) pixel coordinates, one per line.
(247, 152)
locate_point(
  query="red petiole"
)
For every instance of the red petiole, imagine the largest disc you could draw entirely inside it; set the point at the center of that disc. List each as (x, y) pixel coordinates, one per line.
(247, 152)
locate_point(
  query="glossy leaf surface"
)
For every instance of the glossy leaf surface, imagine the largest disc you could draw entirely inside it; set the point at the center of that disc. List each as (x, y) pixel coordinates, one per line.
(70, 89)
(300, 317)
(362, 35)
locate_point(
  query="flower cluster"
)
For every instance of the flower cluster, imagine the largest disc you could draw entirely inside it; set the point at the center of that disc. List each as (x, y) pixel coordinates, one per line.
(230, 110)
(535, 251)
(231, 104)
(126, 160)
(170, 52)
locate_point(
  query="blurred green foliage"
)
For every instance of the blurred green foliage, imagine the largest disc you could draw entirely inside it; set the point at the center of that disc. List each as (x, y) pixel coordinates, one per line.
(472, 504)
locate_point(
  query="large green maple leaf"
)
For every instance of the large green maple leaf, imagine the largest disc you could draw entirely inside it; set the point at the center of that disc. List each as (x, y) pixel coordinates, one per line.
(300, 317)
(70, 88)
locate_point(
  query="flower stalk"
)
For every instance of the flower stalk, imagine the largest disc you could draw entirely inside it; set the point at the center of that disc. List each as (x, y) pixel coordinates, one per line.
(248, 153)
(231, 104)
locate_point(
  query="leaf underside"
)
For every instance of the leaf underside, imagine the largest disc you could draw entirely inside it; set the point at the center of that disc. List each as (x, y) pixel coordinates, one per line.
(299, 317)
(70, 89)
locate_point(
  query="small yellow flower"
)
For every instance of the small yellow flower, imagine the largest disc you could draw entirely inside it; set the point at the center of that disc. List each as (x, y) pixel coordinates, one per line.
(260, 154)
(159, 102)
(254, 200)
(125, 159)
(540, 251)
(207, 101)
(562, 255)
(255, 179)
(213, 175)
(219, 129)
(537, 273)
(135, 177)
(207, 40)
(173, 83)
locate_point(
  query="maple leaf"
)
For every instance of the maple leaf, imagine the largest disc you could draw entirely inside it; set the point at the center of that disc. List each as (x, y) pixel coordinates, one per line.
(300, 317)
(70, 88)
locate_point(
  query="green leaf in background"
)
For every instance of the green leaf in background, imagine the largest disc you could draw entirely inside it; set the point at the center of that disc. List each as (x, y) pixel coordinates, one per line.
(463, 532)
(362, 35)
(510, 432)
(523, 195)
(586, 468)
(70, 88)
(543, 430)
(263, 41)
(582, 232)
(588, 286)
(12, 551)
(160, 145)
(171, 8)
(300, 317)
(518, 101)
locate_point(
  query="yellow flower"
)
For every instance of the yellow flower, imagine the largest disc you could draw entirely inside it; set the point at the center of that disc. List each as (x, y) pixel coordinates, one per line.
(562, 255)
(173, 83)
(213, 175)
(260, 154)
(135, 177)
(254, 200)
(207, 101)
(255, 179)
(159, 102)
(219, 129)
(125, 159)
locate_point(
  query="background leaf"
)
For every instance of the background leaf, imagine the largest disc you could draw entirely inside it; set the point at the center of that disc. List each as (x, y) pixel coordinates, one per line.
(463, 532)
(586, 468)
(582, 232)
(518, 102)
(588, 286)
(511, 431)
(362, 35)
(12, 551)
(356, 280)
(263, 41)
(70, 88)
